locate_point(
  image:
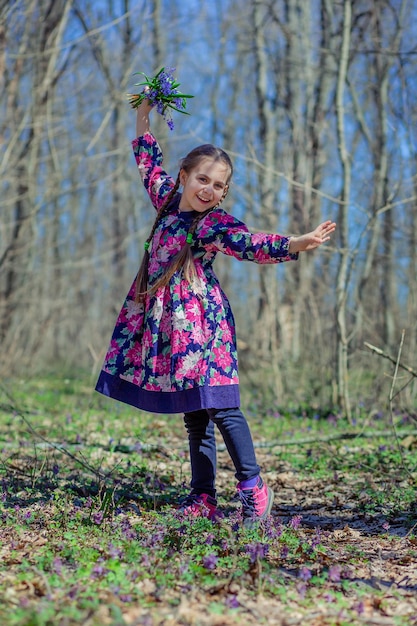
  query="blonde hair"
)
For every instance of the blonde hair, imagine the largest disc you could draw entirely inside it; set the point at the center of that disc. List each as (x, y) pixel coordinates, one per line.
(184, 258)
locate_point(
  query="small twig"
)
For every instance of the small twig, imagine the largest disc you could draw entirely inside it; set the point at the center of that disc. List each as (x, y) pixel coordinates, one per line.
(391, 397)
(325, 439)
(390, 358)
(59, 447)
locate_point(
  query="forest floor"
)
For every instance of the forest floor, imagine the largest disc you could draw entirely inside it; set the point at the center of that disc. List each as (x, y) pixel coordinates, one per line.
(90, 534)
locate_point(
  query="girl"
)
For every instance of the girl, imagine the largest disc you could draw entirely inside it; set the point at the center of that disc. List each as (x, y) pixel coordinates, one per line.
(173, 349)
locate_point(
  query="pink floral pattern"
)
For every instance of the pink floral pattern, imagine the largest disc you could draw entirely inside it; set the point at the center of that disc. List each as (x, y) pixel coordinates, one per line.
(177, 351)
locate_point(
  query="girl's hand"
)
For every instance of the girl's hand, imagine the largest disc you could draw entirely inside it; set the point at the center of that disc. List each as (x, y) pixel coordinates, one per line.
(312, 240)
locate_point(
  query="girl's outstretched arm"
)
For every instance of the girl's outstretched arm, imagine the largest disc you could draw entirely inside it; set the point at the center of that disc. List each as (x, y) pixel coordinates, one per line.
(142, 118)
(312, 240)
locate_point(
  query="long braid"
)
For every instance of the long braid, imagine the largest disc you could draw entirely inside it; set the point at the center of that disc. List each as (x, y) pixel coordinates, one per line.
(143, 274)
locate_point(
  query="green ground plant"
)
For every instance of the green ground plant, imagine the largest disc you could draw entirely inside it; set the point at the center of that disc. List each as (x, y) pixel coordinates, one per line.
(90, 533)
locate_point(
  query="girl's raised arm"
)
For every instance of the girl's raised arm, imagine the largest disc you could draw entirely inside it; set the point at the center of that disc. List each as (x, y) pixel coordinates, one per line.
(142, 117)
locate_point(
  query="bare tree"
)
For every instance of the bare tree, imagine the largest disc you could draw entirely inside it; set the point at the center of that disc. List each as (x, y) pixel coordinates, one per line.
(342, 291)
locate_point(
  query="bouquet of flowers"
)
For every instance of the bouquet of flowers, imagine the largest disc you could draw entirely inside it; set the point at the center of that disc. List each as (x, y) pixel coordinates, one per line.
(162, 92)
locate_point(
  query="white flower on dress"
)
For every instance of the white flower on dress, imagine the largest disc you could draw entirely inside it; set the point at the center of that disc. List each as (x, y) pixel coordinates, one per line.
(179, 320)
(157, 309)
(189, 362)
(164, 382)
(198, 286)
(133, 308)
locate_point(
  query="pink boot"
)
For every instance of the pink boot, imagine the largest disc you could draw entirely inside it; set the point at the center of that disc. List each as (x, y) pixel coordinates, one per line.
(199, 505)
(256, 502)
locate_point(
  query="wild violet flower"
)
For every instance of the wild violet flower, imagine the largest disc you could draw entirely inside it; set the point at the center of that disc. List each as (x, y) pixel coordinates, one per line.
(57, 565)
(296, 521)
(162, 92)
(210, 561)
(97, 517)
(360, 608)
(257, 551)
(99, 571)
(316, 539)
(334, 573)
(284, 552)
(125, 597)
(232, 602)
(305, 574)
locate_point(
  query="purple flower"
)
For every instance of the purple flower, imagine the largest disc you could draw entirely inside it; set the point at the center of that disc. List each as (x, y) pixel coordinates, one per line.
(284, 552)
(225, 545)
(302, 589)
(210, 561)
(316, 539)
(305, 574)
(57, 565)
(114, 553)
(296, 521)
(360, 608)
(127, 529)
(257, 551)
(232, 602)
(99, 571)
(209, 539)
(125, 597)
(145, 560)
(334, 573)
(97, 517)
(272, 528)
(133, 574)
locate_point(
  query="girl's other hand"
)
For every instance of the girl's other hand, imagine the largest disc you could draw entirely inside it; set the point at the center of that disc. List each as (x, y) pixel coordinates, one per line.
(314, 239)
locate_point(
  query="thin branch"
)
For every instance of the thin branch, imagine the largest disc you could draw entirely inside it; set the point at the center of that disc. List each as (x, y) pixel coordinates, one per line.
(390, 358)
(58, 447)
(391, 397)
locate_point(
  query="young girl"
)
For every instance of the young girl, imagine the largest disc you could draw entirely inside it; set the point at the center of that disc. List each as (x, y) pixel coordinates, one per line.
(173, 349)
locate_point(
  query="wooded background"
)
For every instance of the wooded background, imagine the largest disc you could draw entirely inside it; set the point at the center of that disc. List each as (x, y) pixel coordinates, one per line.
(316, 104)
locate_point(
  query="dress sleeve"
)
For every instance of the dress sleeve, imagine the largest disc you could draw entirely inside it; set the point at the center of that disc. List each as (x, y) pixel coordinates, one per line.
(221, 232)
(149, 159)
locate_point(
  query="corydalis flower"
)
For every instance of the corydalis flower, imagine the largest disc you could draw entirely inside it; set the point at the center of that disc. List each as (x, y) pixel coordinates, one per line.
(296, 521)
(210, 561)
(257, 551)
(162, 92)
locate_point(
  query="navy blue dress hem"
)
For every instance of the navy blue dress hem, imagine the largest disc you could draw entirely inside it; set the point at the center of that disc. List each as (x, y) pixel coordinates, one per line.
(213, 397)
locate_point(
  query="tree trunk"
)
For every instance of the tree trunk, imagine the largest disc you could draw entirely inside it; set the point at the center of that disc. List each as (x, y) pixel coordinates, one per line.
(342, 273)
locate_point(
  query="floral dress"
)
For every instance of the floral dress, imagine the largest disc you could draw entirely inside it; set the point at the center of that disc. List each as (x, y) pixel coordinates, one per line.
(176, 352)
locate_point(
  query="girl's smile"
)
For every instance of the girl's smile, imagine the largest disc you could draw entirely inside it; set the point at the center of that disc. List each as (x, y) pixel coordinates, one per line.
(204, 186)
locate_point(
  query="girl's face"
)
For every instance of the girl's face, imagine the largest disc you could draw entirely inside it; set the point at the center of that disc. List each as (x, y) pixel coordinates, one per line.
(204, 186)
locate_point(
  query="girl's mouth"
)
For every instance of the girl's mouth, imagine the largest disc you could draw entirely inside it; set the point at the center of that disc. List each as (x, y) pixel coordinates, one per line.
(205, 200)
